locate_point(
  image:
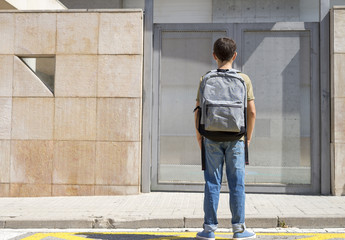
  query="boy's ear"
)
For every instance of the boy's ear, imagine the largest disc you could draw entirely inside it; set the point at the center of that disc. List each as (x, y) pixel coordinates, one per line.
(234, 57)
(215, 57)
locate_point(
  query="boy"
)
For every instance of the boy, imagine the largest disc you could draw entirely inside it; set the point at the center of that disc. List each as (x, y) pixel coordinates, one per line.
(230, 152)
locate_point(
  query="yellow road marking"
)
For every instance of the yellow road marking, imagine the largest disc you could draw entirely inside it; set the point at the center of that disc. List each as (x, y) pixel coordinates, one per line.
(67, 236)
(179, 235)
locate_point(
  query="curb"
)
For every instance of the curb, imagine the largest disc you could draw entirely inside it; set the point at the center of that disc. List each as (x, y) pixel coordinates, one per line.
(313, 222)
(252, 222)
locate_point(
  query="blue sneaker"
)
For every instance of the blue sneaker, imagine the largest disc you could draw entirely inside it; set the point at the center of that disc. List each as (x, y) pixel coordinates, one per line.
(205, 235)
(244, 235)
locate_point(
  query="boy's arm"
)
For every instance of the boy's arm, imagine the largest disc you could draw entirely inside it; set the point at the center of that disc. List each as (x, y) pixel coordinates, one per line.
(198, 136)
(251, 115)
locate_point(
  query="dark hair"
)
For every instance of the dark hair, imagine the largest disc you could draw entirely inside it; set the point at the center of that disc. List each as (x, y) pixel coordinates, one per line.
(224, 48)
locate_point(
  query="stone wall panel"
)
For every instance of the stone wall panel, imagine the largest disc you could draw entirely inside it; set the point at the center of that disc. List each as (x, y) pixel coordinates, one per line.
(76, 76)
(33, 118)
(119, 76)
(35, 33)
(5, 155)
(77, 33)
(339, 116)
(117, 163)
(7, 33)
(339, 31)
(74, 162)
(75, 119)
(31, 161)
(4, 190)
(339, 75)
(339, 169)
(121, 33)
(6, 74)
(118, 119)
(5, 118)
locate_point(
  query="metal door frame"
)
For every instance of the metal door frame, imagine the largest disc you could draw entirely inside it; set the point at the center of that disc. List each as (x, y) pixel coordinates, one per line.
(239, 29)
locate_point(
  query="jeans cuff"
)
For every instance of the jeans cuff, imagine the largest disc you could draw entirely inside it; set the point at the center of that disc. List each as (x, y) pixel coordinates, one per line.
(210, 227)
(238, 227)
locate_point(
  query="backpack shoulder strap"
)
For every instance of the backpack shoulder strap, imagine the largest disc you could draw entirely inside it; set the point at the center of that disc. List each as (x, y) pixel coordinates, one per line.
(204, 78)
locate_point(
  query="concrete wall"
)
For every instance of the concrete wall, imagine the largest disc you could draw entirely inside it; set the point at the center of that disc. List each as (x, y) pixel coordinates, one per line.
(83, 139)
(220, 11)
(338, 99)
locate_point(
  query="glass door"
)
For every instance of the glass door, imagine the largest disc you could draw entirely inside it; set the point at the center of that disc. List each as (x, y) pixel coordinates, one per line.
(281, 60)
(181, 56)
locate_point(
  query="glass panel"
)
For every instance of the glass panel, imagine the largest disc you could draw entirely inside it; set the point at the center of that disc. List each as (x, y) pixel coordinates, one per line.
(235, 11)
(44, 68)
(185, 57)
(279, 66)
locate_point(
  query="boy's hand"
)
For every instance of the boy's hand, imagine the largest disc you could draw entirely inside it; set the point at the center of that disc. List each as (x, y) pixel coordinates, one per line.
(199, 138)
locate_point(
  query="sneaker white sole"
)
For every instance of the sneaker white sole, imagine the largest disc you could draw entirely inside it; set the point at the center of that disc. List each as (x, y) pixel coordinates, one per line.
(203, 238)
(254, 236)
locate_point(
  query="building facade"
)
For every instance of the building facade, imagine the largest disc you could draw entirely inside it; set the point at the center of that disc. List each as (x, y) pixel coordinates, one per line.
(70, 102)
(284, 47)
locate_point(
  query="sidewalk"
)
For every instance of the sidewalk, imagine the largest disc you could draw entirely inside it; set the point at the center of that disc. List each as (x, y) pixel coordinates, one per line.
(168, 210)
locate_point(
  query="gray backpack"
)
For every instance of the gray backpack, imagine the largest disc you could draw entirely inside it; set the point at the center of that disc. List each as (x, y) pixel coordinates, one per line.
(222, 111)
(223, 105)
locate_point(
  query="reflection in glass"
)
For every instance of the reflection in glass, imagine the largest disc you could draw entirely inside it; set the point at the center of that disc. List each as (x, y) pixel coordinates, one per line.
(279, 66)
(185, 57)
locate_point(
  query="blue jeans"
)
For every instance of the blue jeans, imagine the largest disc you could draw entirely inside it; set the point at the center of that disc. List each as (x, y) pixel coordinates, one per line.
(216, 153)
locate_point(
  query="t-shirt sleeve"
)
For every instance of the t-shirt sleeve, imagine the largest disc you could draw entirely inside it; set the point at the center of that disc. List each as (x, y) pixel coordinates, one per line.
(250, 92)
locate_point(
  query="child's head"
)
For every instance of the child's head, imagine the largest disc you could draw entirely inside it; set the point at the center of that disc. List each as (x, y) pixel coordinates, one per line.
(224, 49)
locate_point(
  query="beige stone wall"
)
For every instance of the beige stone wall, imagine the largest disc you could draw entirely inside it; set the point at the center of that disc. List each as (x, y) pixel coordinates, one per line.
(85, 139)
(338, 99)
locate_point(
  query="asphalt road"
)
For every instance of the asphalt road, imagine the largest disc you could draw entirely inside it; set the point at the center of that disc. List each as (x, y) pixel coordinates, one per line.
(158, 234)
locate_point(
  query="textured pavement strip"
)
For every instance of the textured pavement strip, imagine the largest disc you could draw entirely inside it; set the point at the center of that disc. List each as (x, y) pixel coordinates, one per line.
(172, 209)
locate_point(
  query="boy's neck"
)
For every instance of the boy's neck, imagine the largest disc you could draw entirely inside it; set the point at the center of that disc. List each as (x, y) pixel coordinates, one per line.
(224, 65)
